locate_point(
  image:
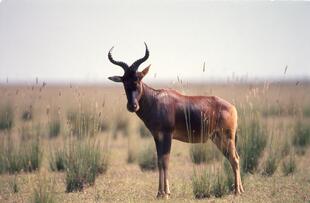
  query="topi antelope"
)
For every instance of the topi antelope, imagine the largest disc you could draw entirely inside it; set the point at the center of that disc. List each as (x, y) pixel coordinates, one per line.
(170, 115)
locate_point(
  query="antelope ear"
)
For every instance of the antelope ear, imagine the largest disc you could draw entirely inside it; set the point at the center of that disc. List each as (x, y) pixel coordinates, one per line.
(144, 72)
(116, 78)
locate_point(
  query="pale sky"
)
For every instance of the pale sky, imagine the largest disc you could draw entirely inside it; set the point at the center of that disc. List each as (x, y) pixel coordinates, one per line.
(68, 40)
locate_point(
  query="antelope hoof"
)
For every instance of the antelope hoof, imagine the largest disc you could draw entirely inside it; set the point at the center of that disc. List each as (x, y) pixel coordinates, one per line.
(161, 195)
(167, 196)
(239, 190)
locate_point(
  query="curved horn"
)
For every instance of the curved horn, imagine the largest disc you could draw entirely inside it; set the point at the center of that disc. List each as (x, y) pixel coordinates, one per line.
(118, 63)
(138, 62)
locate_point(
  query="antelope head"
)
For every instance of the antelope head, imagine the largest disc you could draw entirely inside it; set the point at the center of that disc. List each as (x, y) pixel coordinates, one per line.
(131, 79)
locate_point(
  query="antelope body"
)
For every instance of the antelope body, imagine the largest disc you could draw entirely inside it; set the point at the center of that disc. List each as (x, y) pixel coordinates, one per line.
(170, 115)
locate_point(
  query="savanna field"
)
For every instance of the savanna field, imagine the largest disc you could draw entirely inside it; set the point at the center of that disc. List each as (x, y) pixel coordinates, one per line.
(78, 143)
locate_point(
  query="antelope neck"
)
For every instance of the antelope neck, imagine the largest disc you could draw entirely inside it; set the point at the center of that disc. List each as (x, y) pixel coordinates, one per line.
(146, 102)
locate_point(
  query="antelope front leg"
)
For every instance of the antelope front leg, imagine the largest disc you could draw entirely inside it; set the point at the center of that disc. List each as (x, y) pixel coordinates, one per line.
(163, 147)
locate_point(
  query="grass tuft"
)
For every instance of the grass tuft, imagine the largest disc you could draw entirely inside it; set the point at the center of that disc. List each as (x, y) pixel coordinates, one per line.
(27, 114)
(6, 117)
(253, 142)
(54, 127)
(85, 161)
(25, 156)
(13, 185)
(147, 159)
(201, 184)
(301, 138)
(270, 165)
(289, 165)
(83, 123)
(144, 132)
(202, 153)
(58, 160)
(43, 192)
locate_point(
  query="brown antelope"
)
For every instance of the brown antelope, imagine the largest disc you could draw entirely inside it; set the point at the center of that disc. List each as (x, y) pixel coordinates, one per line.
(170, 115)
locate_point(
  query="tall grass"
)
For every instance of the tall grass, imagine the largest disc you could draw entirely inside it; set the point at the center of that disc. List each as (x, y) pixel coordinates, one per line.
(147, 158)
(271, 165)
(57, 160)
(202, 185)
(83, 123)
(27, 114)
(85, 161)
(204, 152)
(217, 183)
(24, 156)
(6, 117)
(253, 140)
(289, 165)
(54, 127)
(144, 132)
(301, 137)
(43, 192)
(121, 126)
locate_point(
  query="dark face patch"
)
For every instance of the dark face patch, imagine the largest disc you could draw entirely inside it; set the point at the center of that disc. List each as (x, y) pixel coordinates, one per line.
(132, 88)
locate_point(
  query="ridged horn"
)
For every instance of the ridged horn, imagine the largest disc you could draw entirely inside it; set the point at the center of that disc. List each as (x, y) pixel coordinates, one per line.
(118, 63)
(138, 62)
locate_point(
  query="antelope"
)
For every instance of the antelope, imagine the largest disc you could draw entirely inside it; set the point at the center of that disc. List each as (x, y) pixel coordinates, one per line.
(170, 115)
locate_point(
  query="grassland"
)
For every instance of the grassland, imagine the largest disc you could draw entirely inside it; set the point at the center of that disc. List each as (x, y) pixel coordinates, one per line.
(61, 117)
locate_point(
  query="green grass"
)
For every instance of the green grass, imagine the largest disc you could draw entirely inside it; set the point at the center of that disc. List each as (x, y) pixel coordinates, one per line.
(204, 152)
(85, 161)
(43, 192)
(201, 184)
(144, 132)
(121, 126)
(14, 185)
(209, 183)
(253, 140)
(230, 179)
(54, 127)
(6, 117)
(301, 137)
(25, 156)
(270, 165)
(289, 165)
(147, 158)
(83, 123)
(27, 114)
(57, 160)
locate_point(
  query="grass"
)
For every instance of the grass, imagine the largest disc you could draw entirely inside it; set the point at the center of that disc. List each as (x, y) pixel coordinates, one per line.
(14, 185)
(253, 142)
(217, 183)
(27, 114)
(85, 161)
(126, 182)
(270, 165)
(144, 132)
(57, 160)
(204, 152)
(6, 117)
(201, 184)
(301, 137)
(230, 179)
(43, 192)
(25, 156)
(147, 158)
(83, 123)
(289, 165)
(54, 127)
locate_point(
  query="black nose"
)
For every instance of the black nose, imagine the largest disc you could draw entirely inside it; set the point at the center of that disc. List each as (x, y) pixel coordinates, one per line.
(134, 106)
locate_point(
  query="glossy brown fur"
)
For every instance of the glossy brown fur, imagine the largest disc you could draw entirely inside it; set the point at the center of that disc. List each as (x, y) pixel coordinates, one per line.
(170, 115)
(192, 119)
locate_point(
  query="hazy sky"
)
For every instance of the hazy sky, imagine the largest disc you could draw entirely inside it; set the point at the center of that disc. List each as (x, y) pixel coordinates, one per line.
(68, 40)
